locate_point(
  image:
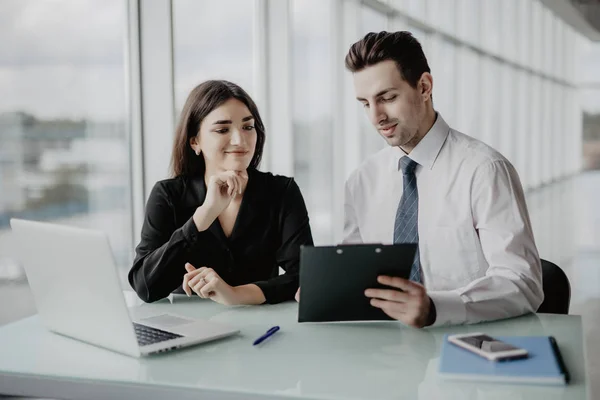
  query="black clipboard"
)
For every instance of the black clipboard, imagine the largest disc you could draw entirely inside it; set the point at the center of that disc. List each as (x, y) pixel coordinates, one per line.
(333, 279)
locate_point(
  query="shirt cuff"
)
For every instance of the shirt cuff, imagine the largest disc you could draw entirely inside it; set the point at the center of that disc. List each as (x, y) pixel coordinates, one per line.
(190, 231)
(449, 308)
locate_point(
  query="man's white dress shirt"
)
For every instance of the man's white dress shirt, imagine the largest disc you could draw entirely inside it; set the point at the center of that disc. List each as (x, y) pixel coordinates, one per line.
(478, 256)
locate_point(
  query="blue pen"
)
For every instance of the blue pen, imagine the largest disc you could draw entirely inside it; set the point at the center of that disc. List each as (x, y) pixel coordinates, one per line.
(269, 333)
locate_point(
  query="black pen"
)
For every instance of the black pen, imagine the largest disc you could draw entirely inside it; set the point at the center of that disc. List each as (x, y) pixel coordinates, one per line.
(559, 359)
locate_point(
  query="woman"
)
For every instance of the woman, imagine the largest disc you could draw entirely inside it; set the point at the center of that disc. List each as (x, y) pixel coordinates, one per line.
(219, 228)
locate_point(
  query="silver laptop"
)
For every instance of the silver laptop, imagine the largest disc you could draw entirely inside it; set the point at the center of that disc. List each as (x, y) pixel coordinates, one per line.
(75, 285)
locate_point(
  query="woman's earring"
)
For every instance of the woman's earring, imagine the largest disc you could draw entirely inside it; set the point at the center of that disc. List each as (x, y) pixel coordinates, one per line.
(197, 152)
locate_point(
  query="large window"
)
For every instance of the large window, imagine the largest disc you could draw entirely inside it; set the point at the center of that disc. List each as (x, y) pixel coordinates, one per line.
(64, 140)
(523, 32)
(415, 8)
(536, 129)
(523, 134)
(468, 20)
(212, 40)
(443, 14)
(536, 35)
(510, 29)
(489, 106)
(312, 113)
(371, 21)
(491, 24)
(468, 92)
(506, 140)
(590, 101)
(443, 69)
(504, 72)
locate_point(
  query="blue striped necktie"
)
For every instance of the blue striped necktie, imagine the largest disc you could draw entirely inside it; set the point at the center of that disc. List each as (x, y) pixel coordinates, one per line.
(407, 215)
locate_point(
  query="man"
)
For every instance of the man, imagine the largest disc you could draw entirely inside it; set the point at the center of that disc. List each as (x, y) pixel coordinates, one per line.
(458, 198)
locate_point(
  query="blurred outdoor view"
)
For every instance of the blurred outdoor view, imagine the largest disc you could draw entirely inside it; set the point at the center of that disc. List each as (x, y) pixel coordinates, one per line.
(591, 140)
(64, 143)
(590, 101)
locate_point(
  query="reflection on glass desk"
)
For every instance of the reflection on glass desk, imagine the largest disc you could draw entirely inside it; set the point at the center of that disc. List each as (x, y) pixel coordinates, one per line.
(376, 360)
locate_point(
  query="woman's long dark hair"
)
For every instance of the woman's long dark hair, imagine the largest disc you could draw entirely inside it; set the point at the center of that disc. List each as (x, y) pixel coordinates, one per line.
(203, 99)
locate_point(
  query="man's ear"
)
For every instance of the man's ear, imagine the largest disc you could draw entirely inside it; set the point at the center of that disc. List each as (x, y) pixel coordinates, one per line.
(426, 85)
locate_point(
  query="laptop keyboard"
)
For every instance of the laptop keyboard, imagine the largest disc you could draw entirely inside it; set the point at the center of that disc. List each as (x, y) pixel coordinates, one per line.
(147, 335)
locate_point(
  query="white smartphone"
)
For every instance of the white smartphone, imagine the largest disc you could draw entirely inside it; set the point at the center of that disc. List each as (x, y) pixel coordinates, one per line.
(488, 347)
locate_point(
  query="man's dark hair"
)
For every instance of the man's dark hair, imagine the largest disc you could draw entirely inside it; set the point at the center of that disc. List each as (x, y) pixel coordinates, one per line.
(401, 47)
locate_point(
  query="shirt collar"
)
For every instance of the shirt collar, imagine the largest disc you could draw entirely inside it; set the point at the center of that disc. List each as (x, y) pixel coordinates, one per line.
(426, 151)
